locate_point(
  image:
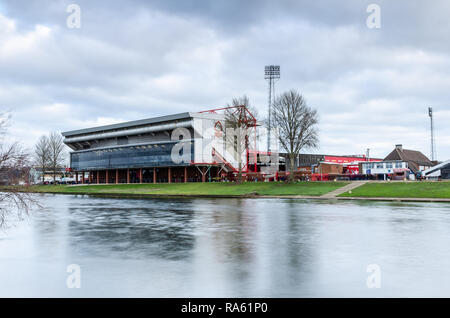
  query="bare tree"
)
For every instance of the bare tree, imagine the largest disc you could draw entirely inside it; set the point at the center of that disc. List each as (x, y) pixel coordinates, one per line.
(42, 154)
(297, 125)
(239, 117)
(56, 153)
(14, 164)
(14, 168)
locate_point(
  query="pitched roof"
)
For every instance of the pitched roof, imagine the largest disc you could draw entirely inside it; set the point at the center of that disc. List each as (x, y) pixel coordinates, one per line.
(413, 157)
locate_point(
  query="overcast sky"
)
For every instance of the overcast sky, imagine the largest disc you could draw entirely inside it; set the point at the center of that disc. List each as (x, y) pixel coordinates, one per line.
(138, 59)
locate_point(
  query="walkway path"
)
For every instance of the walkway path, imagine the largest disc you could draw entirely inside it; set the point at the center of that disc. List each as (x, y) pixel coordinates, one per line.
(348, 187)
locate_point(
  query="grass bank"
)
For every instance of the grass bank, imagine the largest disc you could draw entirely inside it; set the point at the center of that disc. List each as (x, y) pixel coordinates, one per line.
(198, 189)
(438, 190)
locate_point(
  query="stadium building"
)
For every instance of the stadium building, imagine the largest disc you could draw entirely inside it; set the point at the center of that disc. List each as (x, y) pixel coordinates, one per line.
(185, 147)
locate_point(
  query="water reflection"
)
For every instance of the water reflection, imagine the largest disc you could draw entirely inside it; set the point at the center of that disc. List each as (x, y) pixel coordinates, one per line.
(132, 228)
(227, 248)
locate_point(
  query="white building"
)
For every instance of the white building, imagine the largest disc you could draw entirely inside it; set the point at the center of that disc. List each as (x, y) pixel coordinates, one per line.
(393, 169)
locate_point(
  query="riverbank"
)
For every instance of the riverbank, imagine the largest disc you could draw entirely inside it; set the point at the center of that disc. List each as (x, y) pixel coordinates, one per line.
(372, 191)
(215, 189)
(401, 190)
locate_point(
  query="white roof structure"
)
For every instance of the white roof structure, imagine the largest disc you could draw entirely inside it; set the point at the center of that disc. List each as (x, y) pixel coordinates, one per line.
(436, 168)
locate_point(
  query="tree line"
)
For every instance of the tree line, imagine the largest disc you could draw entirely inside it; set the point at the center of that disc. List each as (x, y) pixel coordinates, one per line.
(49, 154)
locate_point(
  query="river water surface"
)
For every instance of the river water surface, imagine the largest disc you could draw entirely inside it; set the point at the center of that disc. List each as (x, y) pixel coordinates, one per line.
(226, 248)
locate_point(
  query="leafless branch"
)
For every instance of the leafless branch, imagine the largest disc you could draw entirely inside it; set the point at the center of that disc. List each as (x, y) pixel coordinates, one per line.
(14, 169)
(56, 153)
(296, 123)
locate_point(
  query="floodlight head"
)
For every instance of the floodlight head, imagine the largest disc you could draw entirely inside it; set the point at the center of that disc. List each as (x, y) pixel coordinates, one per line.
(272, 71)
(430, 111)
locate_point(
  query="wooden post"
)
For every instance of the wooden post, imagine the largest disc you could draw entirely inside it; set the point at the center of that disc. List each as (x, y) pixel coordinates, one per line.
(140, 175)
(98, 179)
(107, 176)
(154, 175)
(117, 176)
(76, 177)
(169, 174)
(203, 175)
(82, 177)
(185, 175)
(128, 175)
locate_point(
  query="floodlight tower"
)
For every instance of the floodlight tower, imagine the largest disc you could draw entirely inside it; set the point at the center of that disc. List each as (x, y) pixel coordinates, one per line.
(272, 73)
(433, 144)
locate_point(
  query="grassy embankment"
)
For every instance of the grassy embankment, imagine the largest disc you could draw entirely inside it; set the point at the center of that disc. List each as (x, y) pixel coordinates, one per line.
(198, 189)
(438, 190)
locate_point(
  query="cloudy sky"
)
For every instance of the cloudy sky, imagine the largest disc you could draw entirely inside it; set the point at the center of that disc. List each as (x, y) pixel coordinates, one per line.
(138, 59)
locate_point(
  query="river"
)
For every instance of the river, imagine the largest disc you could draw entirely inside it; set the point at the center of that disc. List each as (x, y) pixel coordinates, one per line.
(226, 248)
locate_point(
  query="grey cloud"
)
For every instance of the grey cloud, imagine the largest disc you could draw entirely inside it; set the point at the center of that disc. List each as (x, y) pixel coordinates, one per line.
(146, 58)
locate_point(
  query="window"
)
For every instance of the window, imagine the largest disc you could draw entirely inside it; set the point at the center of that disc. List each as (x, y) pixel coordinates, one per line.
(389, 165)
(122, 140)
(125, 157)
(398, 165)
(380, 165)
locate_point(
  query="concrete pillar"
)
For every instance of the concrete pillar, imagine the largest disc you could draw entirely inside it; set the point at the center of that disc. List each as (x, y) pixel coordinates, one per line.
(107, 177)
(140, 175)
(154, 175)
(128, 175)
(169, 174)
(117, 176)
(185, 175)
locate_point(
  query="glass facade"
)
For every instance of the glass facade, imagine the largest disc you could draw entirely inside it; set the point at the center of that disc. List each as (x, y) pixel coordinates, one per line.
(142, 156)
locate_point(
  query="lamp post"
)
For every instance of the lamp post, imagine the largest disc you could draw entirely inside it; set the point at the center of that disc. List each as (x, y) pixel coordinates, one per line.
(433, 145)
